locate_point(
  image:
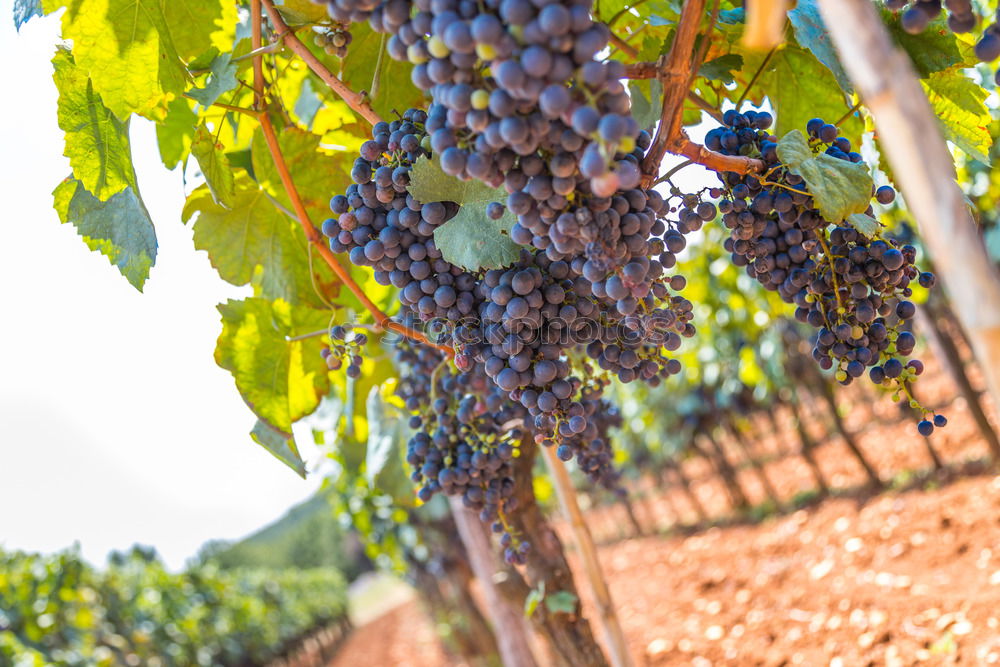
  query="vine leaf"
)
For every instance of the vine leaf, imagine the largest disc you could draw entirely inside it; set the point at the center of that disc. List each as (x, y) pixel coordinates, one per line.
(561, 602)
(282, 381)
(221, 79)
(800, 87)
(471, 239)
(25, 10)
(393, 88)
(933, 50)
(865, 224)
(429, 183)
(838, 187)
(647, 102)
(214, 166)
(809, 30)
(960, 106)
(533, 599)
(97, 143)
(300, 12)
(315, 173)
(387, 435)
(175, 134)
(280, 444)
(135, 50)
(253, 240)
(119, 228)
(721, 68)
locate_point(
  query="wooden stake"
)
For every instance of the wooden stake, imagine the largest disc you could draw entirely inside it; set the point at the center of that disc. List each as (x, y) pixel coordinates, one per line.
(617, 648)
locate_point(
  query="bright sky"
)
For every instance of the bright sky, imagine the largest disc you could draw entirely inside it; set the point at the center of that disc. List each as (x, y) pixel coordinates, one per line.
(116, 426)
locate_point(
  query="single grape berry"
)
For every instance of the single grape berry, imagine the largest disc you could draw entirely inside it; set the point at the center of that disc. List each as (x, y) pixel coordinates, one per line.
(925, 428)
(885, 195)
(940, 421)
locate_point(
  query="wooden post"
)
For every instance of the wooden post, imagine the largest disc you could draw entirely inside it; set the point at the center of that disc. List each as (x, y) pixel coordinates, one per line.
(617, 648)
(924, 169)
(508, 620)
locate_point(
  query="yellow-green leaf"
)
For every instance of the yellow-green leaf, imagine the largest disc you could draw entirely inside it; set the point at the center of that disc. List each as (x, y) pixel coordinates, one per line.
(960, 106)
(119, 228)
(253, 240)
(214, 166)
(97, 143)
(282, 381)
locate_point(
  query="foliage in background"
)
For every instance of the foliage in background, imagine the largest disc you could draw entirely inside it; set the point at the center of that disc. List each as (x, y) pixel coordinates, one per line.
(58, 610)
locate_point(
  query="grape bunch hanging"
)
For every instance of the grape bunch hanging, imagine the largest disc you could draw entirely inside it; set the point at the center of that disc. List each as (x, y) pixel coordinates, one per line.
(522, 101)
(852, 289)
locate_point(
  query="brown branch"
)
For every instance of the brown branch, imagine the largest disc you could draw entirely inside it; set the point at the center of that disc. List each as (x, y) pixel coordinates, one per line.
(313, 235)
(675, 76)
(622, 45)
(354, 100)
(714, 161)
(704, 105)
(643, 70)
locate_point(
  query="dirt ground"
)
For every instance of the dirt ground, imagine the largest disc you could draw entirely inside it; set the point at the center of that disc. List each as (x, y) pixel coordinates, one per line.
(908, 576)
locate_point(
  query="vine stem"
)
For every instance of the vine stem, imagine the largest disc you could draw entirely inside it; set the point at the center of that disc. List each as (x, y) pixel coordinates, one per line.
(313, 235)
(618, 649)
(675, 77)
(354, 100)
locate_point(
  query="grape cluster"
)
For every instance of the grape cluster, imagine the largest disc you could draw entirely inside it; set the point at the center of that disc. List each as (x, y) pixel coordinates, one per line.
(467, 435)
(344, 346)
(382, 226)
(386, 17)
(334, 40)
(853, 289)
(962, 18)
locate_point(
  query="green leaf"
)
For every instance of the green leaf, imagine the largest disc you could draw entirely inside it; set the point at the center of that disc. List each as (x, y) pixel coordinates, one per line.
(429, 183)
(647, 102)
(960, 106)
(282, 381)
(394, 88)
(809, 30)
(253, 240)
(561, 602)
(533, 599)
(386, 439)
(119, 228)
(300, 12)
(473, 241)
(317, 175)
(736, 16)
(933, 50)
(838, 187)
(308, 103)
(175, 134)
(97, 143)
(865, 224)
(214, 166)
(25, 10)
(221, 80)
(801, 88)
(721, 68)
(127, 49)
(281, 445)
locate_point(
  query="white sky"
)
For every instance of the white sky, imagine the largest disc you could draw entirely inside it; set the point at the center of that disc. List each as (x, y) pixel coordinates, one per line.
(116, 426)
